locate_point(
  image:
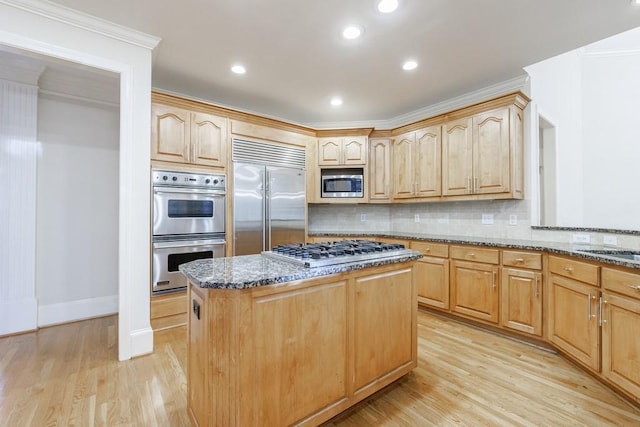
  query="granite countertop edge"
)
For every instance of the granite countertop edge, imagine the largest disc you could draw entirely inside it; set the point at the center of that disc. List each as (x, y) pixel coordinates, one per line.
(252, 271)
(534, 245)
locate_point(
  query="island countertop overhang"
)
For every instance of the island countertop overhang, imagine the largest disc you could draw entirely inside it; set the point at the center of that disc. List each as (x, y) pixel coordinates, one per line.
(250, 271)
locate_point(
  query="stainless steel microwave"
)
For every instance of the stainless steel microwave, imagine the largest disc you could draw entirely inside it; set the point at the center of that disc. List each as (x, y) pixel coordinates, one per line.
(336, 183)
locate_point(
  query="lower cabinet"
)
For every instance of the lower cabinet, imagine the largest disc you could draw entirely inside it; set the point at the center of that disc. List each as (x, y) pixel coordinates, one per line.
(474, 290)
(521, 301)
(573, 310)
(621, 330)
(431, 274)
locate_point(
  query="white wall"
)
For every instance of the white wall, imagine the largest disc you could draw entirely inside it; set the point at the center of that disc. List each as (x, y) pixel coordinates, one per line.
(50, 29)
(592, 95)
(77, 210)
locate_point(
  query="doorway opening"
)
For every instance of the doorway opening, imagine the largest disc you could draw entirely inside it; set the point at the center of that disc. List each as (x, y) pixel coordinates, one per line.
(547, 200)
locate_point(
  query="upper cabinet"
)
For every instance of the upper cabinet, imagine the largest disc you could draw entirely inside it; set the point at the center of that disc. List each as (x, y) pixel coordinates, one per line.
(342, 151)
(379, 169)
(416, 164)
(183, 136)
(482, 154)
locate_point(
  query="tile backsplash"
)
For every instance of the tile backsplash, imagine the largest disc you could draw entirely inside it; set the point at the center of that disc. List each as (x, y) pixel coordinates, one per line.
(509, 219)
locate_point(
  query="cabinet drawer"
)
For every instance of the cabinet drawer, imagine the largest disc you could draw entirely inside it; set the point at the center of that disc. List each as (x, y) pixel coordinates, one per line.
(522, 259)
(491, 256)
(621, 282)
(582, 271)
(168, 305)
(431, 249)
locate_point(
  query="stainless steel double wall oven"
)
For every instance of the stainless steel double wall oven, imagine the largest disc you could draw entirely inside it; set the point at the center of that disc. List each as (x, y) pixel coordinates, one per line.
(188, 224)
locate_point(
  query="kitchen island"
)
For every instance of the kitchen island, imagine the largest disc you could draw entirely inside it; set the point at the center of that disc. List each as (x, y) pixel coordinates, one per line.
(273, 343)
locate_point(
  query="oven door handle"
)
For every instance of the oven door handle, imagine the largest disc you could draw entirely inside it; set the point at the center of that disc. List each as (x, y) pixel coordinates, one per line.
(165, 190)
(188, 243)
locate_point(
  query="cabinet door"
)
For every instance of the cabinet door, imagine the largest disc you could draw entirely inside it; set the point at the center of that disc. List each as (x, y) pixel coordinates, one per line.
(354, 150)
(491, 152)
(170, 134)
(384, 325)
(209, 139)
(431, 276)
(329, 151)
(573, 323)
(457, 157)
(428, 174)
(380, 169)
(521, 301)
(621, 342)
(474, 290)
(197, 390)
(402, 161)
(301, 346)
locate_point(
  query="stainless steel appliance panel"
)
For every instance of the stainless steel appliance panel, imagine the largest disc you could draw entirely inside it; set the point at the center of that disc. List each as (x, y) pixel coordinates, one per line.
(286, 206)
(187, 211)
(249, 218)
(168, 255)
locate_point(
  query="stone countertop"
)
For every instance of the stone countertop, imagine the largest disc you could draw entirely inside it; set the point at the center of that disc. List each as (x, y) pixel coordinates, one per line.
(248, 271)
(534, 245)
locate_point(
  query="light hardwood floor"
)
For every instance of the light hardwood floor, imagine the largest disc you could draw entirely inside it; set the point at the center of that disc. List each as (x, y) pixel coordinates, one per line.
(69, 375)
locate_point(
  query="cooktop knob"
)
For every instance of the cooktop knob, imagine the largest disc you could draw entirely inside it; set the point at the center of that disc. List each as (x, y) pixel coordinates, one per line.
(215, 181)
(175, 178)
(206, 181)
(165, 177)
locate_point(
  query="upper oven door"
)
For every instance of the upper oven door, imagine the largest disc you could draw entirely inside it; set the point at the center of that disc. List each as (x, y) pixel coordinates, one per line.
(187, 211)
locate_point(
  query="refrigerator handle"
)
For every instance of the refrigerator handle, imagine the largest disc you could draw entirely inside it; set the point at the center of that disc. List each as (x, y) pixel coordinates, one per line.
(266, 225)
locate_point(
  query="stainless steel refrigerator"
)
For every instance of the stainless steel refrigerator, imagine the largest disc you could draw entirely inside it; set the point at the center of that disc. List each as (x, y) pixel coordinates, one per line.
(269, 205)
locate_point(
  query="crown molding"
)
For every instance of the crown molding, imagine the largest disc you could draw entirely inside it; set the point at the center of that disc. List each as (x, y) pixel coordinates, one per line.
(508, 86)
(85, 21)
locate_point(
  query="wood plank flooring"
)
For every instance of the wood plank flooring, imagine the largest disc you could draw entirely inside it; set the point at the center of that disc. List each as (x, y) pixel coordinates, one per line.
(69, 375)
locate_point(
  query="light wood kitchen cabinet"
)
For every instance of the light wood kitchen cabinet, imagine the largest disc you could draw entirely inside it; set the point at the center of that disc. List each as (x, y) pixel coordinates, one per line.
(379, 170)
(417, 164)
(197, 366)
(621, 330)
(482, 154)
(183, 136)
(432, 274)
(337, 151)
(573, 309)
(521, 292)
(168, 310)
(475, 285)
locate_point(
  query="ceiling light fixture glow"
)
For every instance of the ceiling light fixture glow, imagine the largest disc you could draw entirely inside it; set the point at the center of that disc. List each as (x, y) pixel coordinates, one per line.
(387, 6)
(336, 102)
(352, 32)
(238, 69)
(409, 65)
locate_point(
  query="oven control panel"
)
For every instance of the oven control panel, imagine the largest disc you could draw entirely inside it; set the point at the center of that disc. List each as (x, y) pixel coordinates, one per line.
(185, 179)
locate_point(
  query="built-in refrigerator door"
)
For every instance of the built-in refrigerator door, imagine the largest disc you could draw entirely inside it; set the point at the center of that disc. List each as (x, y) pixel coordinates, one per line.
(248, 209)
(286, 206)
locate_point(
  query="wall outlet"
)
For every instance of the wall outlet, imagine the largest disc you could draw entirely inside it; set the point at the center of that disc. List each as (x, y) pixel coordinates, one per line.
(416, 218)
(610, 240)
(513, 219)
(487, 219)
(363, 217)
(581, 238)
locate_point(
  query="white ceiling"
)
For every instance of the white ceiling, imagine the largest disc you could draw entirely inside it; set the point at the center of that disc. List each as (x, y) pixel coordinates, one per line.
(296, 59)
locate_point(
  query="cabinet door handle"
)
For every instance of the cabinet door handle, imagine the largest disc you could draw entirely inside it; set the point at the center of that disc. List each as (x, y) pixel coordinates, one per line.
(196, 309)
(600, 311)
(589, 307)
(493, 285)
(602, 319)
(537, 292)
(635, 288)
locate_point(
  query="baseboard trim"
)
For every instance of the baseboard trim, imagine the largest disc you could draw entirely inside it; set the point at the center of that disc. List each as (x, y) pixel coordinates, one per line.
(72, 311)
(17, 316)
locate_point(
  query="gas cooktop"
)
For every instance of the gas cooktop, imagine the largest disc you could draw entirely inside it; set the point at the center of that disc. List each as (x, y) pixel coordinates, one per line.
(332, 253)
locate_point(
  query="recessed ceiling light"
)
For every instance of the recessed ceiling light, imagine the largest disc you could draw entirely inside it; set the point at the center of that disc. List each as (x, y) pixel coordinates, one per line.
(352, 32)
(409, 65)
(238, 69)
(387, 6)
(336, 102)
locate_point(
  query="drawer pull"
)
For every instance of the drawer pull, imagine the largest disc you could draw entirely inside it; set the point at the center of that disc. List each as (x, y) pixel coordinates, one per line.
(635, 288)
(472, 255)
(568, 269)
(426, 249)
(519, 260)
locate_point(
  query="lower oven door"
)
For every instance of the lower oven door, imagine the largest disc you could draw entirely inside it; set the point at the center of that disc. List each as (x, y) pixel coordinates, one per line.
(168, 255)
